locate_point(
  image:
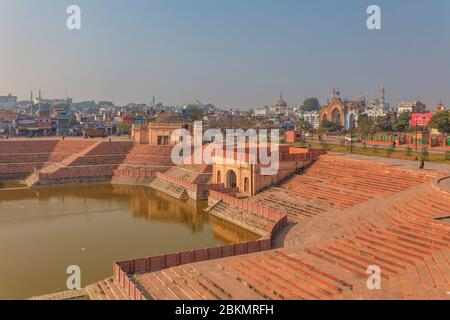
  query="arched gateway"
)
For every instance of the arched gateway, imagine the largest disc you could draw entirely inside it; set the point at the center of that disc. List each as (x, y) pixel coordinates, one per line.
(231, 179)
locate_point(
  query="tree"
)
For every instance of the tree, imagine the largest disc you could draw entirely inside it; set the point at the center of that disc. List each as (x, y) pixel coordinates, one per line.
(105, 104)
(386, 123)
(304, 125)
(403, 122)
(194, 112)
(311, 104)
(441, 121)
(330, 126)
(123, 128)
(366, 124)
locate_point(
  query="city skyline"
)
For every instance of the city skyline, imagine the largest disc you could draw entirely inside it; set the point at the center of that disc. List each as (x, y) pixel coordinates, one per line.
(229, 53)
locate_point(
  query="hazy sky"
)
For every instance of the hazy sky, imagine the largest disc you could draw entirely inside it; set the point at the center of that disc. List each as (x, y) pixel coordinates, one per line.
(233, 53)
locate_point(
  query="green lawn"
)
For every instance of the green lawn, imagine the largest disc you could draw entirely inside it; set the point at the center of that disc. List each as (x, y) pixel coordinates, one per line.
(383, 153)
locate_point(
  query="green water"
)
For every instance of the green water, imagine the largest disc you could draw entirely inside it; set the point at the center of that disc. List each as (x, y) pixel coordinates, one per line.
(43, 232)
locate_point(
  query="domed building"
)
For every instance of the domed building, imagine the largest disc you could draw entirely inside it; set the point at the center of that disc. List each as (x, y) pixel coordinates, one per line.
(281, 103)
(281, 107)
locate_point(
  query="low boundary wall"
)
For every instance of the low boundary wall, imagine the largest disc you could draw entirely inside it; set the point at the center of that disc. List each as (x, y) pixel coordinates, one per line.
(122, 271)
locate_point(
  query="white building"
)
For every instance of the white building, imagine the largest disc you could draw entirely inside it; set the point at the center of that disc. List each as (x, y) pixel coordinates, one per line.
(313, 118)
(262, 112)
(377, 107)
(416, 106)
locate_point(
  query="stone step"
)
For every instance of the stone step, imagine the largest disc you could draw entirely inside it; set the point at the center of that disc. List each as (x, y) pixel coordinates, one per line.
(208, 284)
(190, 286)
(251, 275)
(385, 250)
(248, 279)
(235, 289)
(318, 279)
(387, 262)
(346, 263)
(255, 223)
(356, 257)
(302, 281)
(106, 290)
(404, 242)
(157, 287)
(169, 188)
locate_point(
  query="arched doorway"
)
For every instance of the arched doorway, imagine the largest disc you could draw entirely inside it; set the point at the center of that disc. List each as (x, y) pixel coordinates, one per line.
(219, 177)
(246, 185)
(336, 116)
(231, 179)
(351, 121)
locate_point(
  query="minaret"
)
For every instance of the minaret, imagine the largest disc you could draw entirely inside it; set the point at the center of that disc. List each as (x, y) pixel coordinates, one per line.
(382, 98)
(31, 106)
(40, 101)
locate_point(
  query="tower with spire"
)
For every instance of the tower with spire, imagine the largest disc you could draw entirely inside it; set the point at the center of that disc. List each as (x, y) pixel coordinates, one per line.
(281, 106)
(335, 94)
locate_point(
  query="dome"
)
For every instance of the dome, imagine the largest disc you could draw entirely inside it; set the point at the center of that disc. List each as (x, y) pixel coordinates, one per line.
(281, 103)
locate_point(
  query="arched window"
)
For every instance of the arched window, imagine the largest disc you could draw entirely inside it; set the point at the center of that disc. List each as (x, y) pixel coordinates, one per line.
(219, 177)
(246, 185)
(336, 116)
(231, 179)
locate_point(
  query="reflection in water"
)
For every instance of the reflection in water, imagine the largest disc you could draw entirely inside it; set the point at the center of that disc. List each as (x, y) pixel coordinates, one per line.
(165, 208)
(4, 184)
(230, 233)
(42, 232)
